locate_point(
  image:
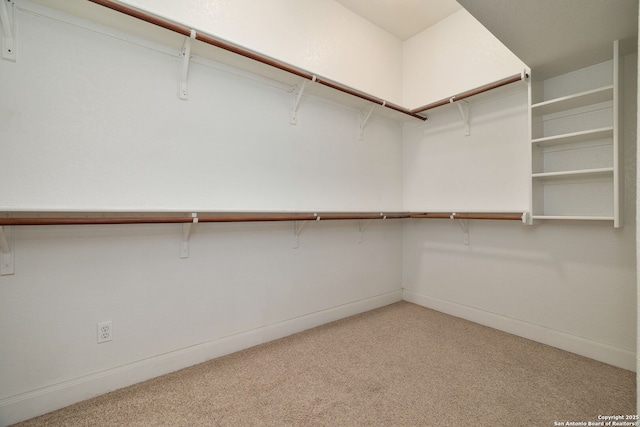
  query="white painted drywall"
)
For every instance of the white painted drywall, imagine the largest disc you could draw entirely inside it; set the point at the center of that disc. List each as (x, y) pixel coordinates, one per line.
(570, 284)
(91, 122)
(242, 284)
(322, 37)
(97, 125)
(325, 38)
(453, 56)
(446, 171)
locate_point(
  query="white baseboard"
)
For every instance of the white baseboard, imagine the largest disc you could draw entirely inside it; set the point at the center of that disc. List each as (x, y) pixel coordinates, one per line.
(41, 401)
(592, 349)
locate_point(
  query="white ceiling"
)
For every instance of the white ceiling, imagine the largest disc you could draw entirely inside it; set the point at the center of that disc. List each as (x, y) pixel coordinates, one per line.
(402, 18)
(550, 36)
(555, 36)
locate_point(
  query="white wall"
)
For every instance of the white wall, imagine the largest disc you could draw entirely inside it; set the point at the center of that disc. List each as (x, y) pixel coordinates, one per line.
(243, 284)
(85, 122)
(568, 284)
(453, 56)
(91, 122)
(322, 37)
(446, 171)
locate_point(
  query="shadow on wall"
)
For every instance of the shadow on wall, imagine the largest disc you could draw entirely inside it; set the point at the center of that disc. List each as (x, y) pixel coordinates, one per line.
(547, 243)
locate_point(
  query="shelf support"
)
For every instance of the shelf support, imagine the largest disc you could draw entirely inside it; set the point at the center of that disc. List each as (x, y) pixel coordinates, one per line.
(6, 249)
(8, 23)
(362, 226)
(297, 229)
(364, 118)
(297, 97)
(463, 108)
(186, 234)
(184, 69)
(464, 225)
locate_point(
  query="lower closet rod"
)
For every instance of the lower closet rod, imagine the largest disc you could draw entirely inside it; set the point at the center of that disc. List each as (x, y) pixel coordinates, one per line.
(250, 218)
(494, 216)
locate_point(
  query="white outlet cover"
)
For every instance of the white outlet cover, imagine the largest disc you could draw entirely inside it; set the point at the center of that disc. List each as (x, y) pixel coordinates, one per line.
(105, 331)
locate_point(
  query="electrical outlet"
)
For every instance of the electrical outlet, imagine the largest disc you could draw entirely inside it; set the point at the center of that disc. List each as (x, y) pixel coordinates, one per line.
(105, 331)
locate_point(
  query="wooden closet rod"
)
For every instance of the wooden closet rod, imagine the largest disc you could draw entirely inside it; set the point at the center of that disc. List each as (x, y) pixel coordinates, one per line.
(232, 217)
(493, 216)
(250, 217)
(513, 79)
(211, 40)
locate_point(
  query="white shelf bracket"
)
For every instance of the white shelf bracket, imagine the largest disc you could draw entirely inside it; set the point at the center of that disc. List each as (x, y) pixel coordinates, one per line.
(184, 69)
(8, 23)
(186, 234)
(463, 108)
(297, 97)
(364, 118)
(464, 225)
(362, 226)
(297, 229)
(6, 250)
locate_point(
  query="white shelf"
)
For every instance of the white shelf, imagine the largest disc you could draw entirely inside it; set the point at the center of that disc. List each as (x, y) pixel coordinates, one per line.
(583, 173)
(574, 217)
(573, 137)
(576, 171)
(570, 102)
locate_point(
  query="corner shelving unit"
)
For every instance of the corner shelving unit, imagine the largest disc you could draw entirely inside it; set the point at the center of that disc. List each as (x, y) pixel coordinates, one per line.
(575, 141)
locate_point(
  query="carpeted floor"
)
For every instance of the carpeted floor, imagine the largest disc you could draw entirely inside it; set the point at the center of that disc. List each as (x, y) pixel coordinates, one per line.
(401, 365)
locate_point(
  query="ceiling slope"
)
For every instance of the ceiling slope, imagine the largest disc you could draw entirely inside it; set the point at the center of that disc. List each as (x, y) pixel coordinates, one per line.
(556, 36)
(402, 18)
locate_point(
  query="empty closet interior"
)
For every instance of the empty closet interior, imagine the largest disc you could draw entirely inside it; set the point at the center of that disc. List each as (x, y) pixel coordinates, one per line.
(205, 184)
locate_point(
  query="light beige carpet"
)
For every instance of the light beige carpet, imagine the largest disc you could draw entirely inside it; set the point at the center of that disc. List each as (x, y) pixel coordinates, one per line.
(401, 365)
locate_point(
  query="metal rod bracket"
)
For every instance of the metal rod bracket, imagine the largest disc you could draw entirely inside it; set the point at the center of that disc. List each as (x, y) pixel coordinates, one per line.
(297, 229)
(463, 108)
(184, 69)
(186, 234)
(8, 23)
(297, 97)
(464, 225)
(6, 249)
(364, 118)
(362, 226)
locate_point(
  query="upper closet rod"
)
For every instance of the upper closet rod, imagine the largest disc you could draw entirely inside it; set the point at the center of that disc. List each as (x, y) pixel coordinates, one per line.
(234, 217)
(476, 91)
(205, 38)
